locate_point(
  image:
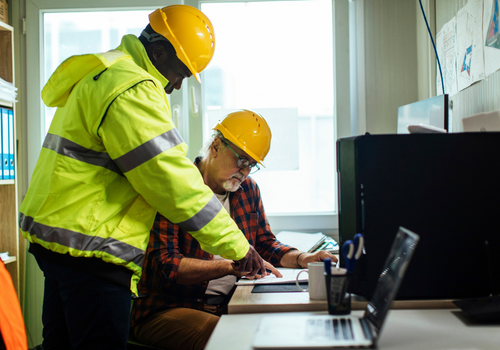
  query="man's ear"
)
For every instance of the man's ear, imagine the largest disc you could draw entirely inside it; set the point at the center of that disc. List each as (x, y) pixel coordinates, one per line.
(215, 147)
(157, 51)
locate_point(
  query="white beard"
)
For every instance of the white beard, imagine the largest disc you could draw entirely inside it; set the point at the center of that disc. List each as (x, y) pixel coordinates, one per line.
(234, 182)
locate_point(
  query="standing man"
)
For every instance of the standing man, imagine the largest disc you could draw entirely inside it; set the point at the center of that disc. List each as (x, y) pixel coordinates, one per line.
(182, 281)
(112, 158)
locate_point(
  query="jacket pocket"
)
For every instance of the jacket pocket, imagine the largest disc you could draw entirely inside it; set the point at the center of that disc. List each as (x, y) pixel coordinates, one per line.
(138, 218)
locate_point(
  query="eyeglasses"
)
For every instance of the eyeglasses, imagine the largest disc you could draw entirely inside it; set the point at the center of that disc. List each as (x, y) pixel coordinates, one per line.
(243, 162)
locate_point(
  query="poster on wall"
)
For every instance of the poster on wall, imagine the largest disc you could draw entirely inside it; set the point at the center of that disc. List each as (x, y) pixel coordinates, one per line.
(470, 63)
(491, 36)
(446, 48)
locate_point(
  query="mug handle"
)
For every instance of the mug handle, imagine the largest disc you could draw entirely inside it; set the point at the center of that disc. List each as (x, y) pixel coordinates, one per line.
(297, 282)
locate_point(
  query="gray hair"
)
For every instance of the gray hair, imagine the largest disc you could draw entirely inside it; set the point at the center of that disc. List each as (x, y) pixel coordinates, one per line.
(205, 150)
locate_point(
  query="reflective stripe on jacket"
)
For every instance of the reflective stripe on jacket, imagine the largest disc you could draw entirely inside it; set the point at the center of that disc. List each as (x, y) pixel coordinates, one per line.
(111, 159)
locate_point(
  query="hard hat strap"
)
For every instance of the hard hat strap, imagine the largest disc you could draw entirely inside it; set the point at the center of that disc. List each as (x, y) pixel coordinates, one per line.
(153, 37)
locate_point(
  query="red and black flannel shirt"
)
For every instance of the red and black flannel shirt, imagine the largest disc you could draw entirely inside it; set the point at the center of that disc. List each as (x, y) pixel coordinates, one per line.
(168, 244)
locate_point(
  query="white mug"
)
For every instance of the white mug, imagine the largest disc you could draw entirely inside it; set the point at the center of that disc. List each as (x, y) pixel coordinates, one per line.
(317, 286)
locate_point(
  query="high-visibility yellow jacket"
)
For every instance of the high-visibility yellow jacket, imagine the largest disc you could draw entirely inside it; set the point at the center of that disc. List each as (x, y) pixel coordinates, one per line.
(111, 159)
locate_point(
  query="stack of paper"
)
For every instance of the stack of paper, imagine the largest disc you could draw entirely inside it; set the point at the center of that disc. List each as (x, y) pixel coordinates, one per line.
(308, 242)
(289, 276)
(7, 91)
(329, 244)
(4, 256)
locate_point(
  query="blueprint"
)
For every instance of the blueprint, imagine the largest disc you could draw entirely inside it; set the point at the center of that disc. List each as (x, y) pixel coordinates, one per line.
(470, 48)
(289, 276)
(446, 48)
(491, 36)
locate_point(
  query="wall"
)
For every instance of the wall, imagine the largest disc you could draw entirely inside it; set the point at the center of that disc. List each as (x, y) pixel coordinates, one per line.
(425, 51)
(391, 69)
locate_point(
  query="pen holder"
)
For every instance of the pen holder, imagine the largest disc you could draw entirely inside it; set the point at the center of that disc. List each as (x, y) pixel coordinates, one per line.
(339, 301)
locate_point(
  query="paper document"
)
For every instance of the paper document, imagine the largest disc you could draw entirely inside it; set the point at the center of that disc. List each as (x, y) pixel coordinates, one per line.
(289, 275)
(447, 51)
(305, 242)
(5, 256)
(470, 60)
(491, 36)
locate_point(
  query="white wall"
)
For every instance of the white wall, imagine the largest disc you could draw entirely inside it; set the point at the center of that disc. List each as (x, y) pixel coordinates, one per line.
(391, 70)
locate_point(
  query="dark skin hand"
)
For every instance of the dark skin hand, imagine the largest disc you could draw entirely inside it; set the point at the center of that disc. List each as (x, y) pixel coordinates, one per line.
(251, 264)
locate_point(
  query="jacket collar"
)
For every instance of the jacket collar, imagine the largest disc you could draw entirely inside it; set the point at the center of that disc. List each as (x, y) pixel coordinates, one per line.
(132, 46)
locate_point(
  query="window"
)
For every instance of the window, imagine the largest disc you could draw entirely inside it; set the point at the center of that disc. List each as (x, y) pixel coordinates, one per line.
(281, 64)
(75, 33)
(276, 57)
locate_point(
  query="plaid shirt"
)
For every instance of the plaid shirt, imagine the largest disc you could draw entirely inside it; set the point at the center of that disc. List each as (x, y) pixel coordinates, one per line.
(168, 244)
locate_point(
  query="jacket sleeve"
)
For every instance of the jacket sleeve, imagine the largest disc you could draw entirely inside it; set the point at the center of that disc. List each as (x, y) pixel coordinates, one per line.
(138, 133)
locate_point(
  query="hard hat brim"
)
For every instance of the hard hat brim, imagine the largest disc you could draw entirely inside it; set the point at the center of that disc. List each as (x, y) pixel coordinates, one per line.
(228, 135)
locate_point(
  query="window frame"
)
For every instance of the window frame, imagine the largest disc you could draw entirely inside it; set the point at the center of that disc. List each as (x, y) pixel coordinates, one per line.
(326, 222)
(185, 103)
(35, 10)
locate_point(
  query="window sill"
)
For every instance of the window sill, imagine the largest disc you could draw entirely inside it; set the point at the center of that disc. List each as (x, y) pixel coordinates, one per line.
(310, 222)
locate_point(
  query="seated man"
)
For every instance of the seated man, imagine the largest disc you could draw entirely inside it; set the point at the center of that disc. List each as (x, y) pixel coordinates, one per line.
(177, 271)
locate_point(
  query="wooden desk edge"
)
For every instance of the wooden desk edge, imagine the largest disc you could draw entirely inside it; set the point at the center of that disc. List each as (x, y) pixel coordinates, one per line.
(243, 301)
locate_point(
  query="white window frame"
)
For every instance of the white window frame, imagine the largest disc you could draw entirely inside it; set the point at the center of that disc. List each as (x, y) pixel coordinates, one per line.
(185, 103)
(35, 10)
(324, 222)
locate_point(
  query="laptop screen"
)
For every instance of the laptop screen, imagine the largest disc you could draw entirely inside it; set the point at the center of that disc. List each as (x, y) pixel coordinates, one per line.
(391, 277)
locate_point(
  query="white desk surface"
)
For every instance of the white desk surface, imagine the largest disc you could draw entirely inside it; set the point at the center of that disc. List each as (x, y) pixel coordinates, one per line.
(244, 301)
(403, 330)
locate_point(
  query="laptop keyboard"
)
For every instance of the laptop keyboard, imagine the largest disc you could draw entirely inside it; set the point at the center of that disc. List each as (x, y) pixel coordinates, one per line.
(337, 328)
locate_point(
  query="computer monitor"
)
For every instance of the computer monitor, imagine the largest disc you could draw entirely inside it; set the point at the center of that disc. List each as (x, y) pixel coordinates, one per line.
(432, 111)
(439, 185)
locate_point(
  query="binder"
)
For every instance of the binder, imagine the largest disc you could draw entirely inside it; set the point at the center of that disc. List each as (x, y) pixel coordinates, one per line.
(1, 143)
(12, 144)
(5, 144)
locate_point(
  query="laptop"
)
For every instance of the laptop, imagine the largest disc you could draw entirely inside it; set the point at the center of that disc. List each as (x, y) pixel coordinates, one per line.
(327, 331)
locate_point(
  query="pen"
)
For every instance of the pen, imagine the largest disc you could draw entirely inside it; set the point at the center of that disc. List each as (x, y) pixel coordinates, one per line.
(328, 266)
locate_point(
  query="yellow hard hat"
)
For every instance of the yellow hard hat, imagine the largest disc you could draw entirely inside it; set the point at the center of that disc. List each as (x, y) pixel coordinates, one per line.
(249, 131)
(189, 31)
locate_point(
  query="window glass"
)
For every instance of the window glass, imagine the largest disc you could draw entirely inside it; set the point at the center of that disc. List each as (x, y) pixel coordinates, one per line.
(75, 33)
(276, 57)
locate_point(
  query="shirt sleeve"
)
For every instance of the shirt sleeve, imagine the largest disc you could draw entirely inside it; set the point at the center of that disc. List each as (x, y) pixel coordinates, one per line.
(140, 137)
(266, 243)
(164, 252)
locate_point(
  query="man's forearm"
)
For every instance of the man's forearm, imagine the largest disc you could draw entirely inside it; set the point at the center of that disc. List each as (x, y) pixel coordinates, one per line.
(193, 271)
(290, 259)
(295, 258)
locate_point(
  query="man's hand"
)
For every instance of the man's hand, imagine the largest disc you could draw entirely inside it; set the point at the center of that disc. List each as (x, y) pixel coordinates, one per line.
(269, 267)
(250, 264)
(321, 255)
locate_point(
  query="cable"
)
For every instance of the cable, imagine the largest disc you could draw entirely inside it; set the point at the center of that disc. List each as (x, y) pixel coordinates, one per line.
(435, 51)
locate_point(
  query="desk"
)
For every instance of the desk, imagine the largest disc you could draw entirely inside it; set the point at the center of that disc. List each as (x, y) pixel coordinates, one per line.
(244, 301)
(403, 330)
